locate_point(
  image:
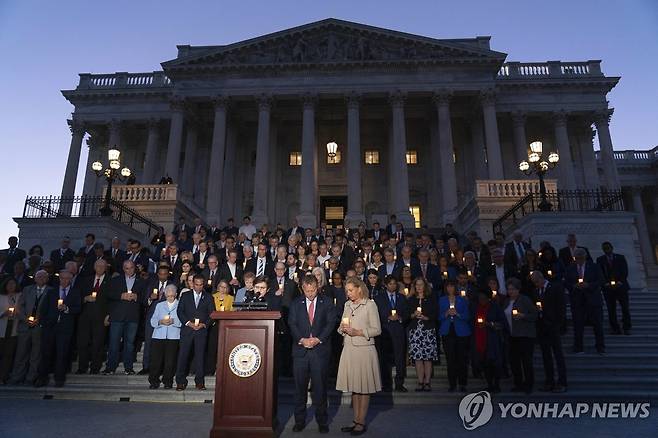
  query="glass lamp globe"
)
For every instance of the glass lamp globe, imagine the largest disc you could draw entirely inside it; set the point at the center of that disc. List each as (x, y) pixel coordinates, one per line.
(332, 147)
(533, 157)
(553, 157)
(536, 147)
(543, 165)
(96, 166)
(113, 154)
(524, 166)
(107, 173)
(114, 164)
(125, 172)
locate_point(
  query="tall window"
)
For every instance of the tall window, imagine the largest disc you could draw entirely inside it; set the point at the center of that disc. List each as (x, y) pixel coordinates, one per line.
(335, 159)
(415, 212)
(412, 157)
(372, 157)
(295, 159)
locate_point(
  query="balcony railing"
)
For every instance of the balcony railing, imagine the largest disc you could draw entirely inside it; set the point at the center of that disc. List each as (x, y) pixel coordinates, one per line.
(561, 200)
(156, 79)
(550, 69)
(510, 188)
(633, 156)
(145, 192)
(44, 207)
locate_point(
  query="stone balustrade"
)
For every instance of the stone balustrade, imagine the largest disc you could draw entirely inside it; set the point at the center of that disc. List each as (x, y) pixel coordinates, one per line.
(632, 156)
(550, 69)
(510, 188)
(131, 193)
(120, 80)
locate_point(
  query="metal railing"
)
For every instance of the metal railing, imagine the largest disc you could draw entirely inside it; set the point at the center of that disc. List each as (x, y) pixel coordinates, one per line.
(561, 200)
(550, 69)
(44, 207)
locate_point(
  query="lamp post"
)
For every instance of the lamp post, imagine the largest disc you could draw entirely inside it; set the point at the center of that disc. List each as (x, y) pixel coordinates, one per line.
(538, 164)
(112, 173)
(332, 147)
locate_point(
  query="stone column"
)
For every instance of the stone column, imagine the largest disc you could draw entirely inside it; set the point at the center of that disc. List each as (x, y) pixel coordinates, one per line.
(567, 179)
(610, 175)
(172, 162)
(261, 173)
(96, 147)
(399, 177)
(642, 229)
(230, 193)
(494, 154)
(478, 149)
(354, 162)
(190, 165)
(115, 138)
(446, 151)
(152, 152)
(307, 217)
(520, 139)
(215, 186)
(432, 213)
(73, 161)
(585, 135)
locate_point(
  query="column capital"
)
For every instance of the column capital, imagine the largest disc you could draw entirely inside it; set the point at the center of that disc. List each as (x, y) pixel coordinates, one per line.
(309, 100)
(559, 117)
(77, 127)
(442, 97)
(396, 98)
(220, 102)
(264, 102)
(603, 115)
(177, 103)
(488, 96)
(153, 123)
(518, 118)
(353, 100)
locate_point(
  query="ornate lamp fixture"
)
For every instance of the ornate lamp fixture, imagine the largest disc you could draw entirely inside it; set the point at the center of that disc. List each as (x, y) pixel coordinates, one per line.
(537, 164)
(111, 173)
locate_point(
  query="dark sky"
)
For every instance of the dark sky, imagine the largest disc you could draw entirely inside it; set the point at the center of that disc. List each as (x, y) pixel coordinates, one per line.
(45, 44)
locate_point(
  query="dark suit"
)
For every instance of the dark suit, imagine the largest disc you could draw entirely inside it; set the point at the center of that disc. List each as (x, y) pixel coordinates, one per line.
(91, 324)
(124, 320)
(550, 325)
(116, 258)
(13, 256)
(616, 269)
(140, 259)
(187, 312)
(586, 303)
(60, 258)
(252, 266)
(511, 256)
(567, 259)
(392, 344)
(57, 329)
(433, 275)
(311, 363)
(225, 272)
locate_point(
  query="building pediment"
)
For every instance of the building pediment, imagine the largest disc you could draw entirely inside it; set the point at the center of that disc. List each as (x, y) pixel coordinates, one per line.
(333, 42)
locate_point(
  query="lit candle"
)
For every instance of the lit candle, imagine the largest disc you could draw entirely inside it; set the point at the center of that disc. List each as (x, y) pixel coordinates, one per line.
(295, 276)
(419, 309)
(445, 274)
(60, 302)
(155, 291)
(209, 282)
(331, 281)
(580, 280)
(452, 254)
(463, 293)
(221, 308)
(549, 273)
(196, 321)
(10, 310)
(469, 272)
(538, 303)
(326, 264)
(480, 320)
(613, 282)
(166, 317)
(130, 292)
(515, 312)
(393, 312)
(452, 306)
(30, 318)
(406, 291)
(494, 293)
(346, 321)
(94, 294)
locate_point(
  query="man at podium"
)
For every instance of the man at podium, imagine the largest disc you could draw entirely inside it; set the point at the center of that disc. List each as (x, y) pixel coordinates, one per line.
(311, 320)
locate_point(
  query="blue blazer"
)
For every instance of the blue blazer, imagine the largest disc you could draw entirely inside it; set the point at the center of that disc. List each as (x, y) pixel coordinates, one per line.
(324, 323)
(165, 331)
(187, 312)
(462, 320)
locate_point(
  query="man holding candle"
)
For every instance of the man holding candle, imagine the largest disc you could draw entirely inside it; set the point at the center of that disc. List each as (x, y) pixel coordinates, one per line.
(57, 316)
(91, 324)
(125, 298)
(584, 280)
(194, 311)
(392, 344)
(615, 287)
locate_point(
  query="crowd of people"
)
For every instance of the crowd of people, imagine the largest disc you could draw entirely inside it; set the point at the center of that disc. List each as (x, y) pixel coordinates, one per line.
(382, 296)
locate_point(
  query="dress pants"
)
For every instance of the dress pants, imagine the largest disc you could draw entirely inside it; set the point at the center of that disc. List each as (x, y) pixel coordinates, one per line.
(612, 295)
(521, 350)
(456, 351)
(90, 342)
(148, 335)
(196, 341)
(164, 354)
(55, 343)
(581, 312)
(7, 354)
(550, 343)
(122, 331)
(211, 356)
(393, 351)
(312, 366)
(28, 356)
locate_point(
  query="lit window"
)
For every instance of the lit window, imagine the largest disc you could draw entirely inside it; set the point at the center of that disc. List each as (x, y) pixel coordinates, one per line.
(334, 213)
(295, 158)
(412, 157)
(335, 159)
(372, 157)
(415, 212)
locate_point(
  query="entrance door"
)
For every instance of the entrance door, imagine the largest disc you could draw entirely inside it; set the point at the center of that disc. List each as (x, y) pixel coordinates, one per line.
(332, 210)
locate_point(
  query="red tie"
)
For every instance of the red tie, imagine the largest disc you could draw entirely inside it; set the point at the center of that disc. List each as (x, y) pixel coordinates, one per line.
(97, 285)
(311, 312)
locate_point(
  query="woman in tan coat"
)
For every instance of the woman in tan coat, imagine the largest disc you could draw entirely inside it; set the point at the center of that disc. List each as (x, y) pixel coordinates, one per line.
(358, 371)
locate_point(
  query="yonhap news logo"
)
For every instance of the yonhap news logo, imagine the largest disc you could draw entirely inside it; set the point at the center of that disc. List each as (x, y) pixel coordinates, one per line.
(476, 409)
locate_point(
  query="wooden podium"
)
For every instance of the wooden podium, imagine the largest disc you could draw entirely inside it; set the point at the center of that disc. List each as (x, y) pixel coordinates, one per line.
(245, 404)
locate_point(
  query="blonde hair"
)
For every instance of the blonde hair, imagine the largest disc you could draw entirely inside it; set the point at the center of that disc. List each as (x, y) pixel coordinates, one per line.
(356, 281)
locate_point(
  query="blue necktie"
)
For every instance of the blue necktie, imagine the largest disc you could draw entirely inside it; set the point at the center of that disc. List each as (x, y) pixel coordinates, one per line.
(392, 300)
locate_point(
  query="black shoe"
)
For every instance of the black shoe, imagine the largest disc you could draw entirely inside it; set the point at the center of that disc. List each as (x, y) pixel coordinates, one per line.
(387, 389)
(359, 432)
(40, 383)
(81, 372)
(298, 427)
(427, 387)
(168, 386)
(107, 372)
(154, 386)
(401, 388)
(94, 372)
(129, 372)
(144, 372)
(419, 387)
(323, 428)
(348, 428)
